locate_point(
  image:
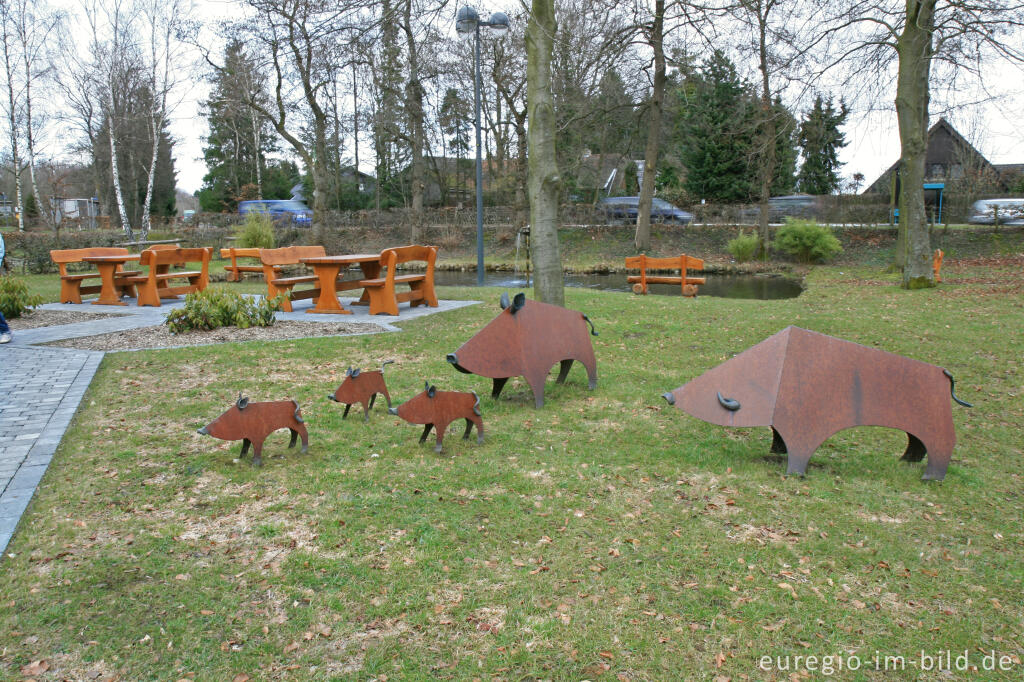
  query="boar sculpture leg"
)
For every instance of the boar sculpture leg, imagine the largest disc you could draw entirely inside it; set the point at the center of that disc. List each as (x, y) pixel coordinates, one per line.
(253, 422)
(808, 386)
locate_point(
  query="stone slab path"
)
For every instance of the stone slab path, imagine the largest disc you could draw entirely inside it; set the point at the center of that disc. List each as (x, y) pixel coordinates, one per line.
(41, 387)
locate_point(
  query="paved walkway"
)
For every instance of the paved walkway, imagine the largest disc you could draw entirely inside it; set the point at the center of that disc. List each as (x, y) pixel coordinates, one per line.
(41, 387)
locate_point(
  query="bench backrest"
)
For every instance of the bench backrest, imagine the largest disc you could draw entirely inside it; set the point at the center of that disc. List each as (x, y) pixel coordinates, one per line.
(289, 255)
(645, 262)
(407, 254)
(170, 254)
(240, 252)
(64, 256)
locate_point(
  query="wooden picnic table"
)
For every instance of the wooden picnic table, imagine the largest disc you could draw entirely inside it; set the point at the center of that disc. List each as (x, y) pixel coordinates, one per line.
(110, 291)
(328, 268)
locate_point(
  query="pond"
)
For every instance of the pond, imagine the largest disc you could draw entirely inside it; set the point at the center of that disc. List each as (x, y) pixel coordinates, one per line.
(761, 287)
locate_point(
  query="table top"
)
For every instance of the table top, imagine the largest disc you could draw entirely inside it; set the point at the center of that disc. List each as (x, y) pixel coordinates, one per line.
(341, 260)
(123, 258)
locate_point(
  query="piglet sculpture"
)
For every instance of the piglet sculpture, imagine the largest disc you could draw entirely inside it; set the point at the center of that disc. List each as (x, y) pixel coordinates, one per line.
(253, 422)
(362, 387)
(526, 339)
(808, 386)
(439, 409)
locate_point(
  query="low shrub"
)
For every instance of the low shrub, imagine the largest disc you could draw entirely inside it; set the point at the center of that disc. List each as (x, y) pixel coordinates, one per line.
(807, 241)
(216, 307)
(257, 232)
(744, 247)
(15, 298)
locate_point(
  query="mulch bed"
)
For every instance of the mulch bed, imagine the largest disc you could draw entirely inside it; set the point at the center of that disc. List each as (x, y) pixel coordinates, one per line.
(53, 318)
(159, 336)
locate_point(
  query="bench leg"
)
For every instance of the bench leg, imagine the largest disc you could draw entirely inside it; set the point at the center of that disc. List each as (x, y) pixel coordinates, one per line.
(286, 299)
(382, 300)
(70, 291)
(424, 295)
(148, 295)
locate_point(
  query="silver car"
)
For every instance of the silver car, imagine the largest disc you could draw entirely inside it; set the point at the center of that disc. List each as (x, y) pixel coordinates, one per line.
(1008, 211)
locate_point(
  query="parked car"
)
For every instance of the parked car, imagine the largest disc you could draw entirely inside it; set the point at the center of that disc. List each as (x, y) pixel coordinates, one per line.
(297, 211)
(187, 215)
(623, 210)
(984, 212)
(790, 206)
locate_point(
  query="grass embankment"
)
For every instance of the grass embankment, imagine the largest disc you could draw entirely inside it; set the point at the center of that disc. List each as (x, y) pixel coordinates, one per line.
(603, 536)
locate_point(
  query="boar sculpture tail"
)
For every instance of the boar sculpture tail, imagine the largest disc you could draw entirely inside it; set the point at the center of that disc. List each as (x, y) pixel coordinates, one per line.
(385, 364)
(593, 332)
(952, 391)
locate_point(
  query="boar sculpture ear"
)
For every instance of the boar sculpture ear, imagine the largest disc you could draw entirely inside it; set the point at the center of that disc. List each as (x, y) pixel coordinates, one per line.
(504, 300)
(518, 302)
(431, 391)
(348, 372)
(242, 402)
(355, 372)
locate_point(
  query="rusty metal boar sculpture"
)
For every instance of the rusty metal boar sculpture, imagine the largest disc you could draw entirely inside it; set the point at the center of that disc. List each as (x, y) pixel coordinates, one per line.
(362, 387)
(807, 386)
(438, 409)
(527, 338)
(253, 422)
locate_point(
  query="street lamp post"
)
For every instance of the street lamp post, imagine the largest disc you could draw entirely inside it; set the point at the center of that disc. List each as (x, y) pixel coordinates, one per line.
(468, 24)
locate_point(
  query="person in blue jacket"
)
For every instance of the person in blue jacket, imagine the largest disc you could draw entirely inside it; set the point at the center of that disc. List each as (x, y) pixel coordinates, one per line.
(5, 331)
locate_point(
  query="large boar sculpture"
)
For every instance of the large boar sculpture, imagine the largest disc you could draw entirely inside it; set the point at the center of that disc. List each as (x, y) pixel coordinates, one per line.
(251, 423)
(808, 386)
(526, 339)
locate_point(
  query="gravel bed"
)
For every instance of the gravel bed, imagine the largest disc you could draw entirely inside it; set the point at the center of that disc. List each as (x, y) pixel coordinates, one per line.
(53, 318)
(159, 336)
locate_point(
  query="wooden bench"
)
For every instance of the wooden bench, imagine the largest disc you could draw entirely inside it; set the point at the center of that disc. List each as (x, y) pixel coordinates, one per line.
(235, 270)
(71, 283)
(682, 262)
(155, 284)
(273, 260)
(381, 291)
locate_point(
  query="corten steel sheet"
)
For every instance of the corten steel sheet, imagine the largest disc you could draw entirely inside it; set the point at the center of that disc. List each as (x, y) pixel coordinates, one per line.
(362, 387)
(808, 386)
(438, 409)
(253, 422)
(526, 339)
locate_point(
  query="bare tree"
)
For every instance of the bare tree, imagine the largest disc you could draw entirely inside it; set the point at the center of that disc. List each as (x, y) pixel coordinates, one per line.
(932, 41)
(112, 57)
(15, 105)
(655, 37)
(34, 26)
(543, 177)
(165, 20)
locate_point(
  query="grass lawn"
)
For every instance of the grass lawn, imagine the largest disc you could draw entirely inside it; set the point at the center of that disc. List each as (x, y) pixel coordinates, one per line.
(606, 536)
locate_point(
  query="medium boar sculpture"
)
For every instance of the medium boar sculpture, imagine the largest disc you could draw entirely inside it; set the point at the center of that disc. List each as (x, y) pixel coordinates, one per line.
(439, 409)
(808, 386)
(362, 387)
(526, 339)
(253, 422)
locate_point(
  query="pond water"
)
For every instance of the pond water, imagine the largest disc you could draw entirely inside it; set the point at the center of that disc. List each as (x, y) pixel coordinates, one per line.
(761, 287)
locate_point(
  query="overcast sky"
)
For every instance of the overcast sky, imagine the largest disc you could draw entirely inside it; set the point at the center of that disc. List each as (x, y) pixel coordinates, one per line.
(872, 136)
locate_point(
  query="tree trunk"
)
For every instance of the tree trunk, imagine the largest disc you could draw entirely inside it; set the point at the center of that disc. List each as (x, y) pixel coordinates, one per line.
(154, 132)
(915, 54)
(543, 179)
(115, 172)
(414, 108)
(643, 211)
(522, 203)
(768, 131)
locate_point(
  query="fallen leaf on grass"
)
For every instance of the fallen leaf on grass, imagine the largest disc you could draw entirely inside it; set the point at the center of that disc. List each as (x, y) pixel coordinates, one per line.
(291, 647)
(240, 677)
(35, 668)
